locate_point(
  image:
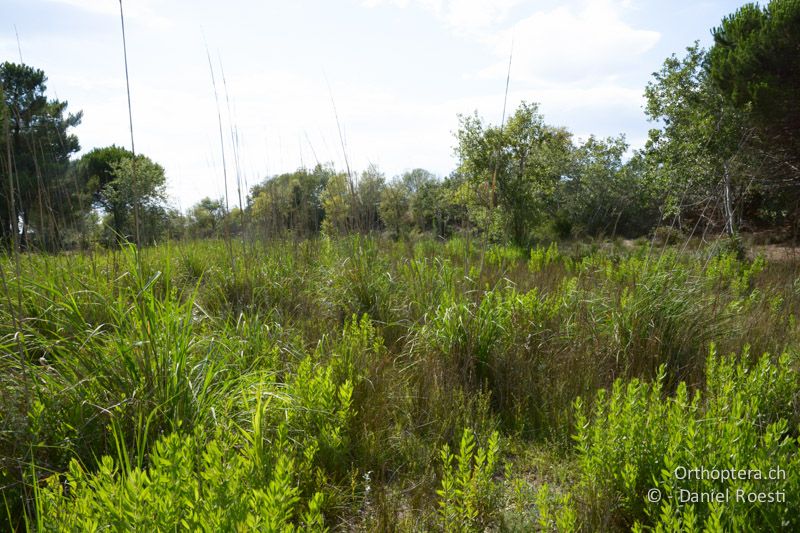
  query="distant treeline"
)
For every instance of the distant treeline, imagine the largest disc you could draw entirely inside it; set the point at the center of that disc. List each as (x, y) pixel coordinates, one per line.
(723, 157)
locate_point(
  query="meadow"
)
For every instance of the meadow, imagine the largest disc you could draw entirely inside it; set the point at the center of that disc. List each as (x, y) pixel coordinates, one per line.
(363, 383)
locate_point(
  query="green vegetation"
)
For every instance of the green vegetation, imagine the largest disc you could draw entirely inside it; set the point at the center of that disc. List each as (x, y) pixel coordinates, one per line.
(488, 351)
(363, 383)
(35, 132)
(720, 159)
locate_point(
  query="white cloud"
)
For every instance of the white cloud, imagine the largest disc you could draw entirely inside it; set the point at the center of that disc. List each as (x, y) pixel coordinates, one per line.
(570, 45)
(462, 16)
(376, 3)
(139, 10)
(573, 55)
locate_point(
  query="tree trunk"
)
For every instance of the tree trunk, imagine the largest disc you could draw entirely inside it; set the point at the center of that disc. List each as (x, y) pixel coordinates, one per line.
(730, 226)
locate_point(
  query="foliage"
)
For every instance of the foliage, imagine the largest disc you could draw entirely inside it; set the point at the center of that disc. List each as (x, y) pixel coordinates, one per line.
(37, 140)
(355, 364)
(635, 441)
(363, 356)
(468, 497)
(369, 193)
(206, 218)
(515, 167)
(95, 170)
(694, 163)
(191, 483)
(290, 202)
(126, 189)
(605, 195)
(139, 184)
(755, 64)
(339, 202)
(394, 208)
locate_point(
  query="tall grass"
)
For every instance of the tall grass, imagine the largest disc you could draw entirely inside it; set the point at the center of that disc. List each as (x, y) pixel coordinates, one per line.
(320, 386)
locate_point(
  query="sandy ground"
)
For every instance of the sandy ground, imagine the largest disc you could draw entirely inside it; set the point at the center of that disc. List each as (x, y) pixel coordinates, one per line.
(775, 252)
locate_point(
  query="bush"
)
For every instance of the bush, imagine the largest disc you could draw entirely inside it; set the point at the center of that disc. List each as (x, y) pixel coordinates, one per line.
(636, 442)
(191, 484)
(469, 495)
(665, 235)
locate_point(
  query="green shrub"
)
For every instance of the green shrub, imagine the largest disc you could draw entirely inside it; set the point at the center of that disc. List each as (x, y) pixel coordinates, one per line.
(190, 484)
(636, 440)
(468, 496)
(333, 369)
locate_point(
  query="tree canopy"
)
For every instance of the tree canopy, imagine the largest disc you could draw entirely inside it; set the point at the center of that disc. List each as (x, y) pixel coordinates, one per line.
(755, 63)
(35, 148)
(120, 184)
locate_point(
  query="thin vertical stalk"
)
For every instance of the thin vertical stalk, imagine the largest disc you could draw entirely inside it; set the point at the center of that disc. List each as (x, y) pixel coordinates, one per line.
(236, 160)
(16, 313)
(344, 154)
(502, 124)
(130, 123)
(224, 164)
(19, 46)
(493, 195)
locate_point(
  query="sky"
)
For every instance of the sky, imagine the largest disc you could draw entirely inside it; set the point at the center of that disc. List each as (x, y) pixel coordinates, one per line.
(396, 73)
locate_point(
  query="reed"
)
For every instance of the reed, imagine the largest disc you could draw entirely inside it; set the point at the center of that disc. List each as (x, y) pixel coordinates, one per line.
(327, 380)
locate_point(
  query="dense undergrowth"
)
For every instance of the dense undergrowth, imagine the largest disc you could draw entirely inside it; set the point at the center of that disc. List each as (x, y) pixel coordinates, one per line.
(418, 385)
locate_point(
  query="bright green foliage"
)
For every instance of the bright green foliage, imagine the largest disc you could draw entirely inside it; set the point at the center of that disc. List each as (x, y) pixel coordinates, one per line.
(556, 512)
(346, 364)
(726, 270)
(635, 440)
(543, 257)
(468, 495)
(503, 256)
(188, 485)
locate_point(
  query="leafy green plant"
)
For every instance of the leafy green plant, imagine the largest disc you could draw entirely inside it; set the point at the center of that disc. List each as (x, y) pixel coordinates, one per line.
(188, 485)
(637, 443)
(468, 495)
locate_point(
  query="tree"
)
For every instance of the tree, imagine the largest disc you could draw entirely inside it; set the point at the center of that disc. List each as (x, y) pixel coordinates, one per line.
(417, 179)
(205, 218)
(95, 171)
(338, 201)
(394, 208)
(423, 197)
(604, 194)
(121, 184)
(35, 150)
(96, 168)
(695, 161)
(755, 64)
(513, 170)
(369, 191)
(291, 201)
(138, 182)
